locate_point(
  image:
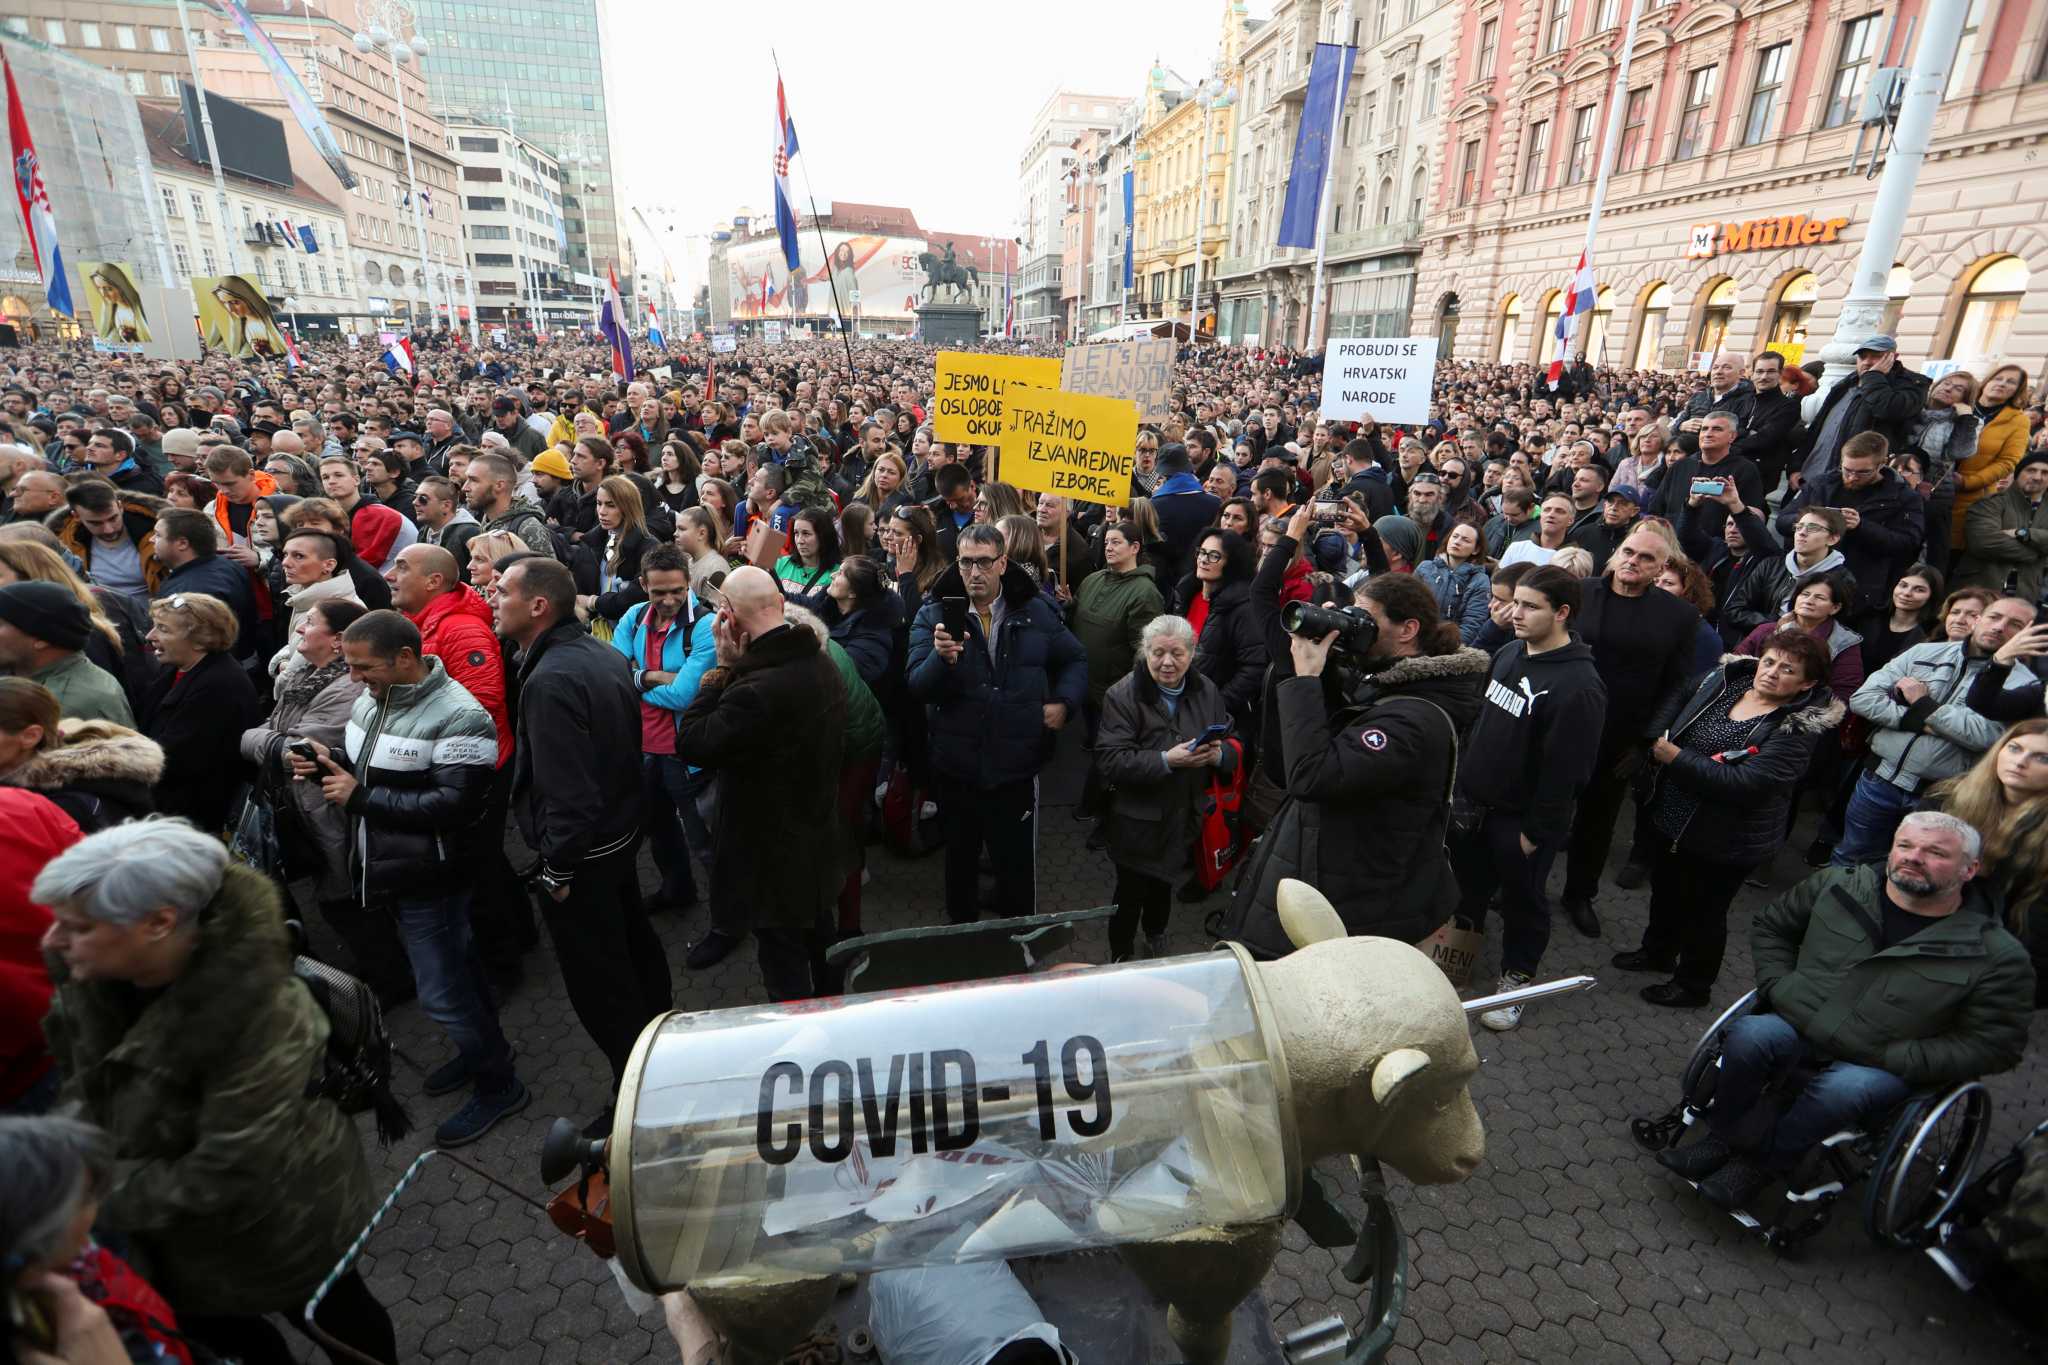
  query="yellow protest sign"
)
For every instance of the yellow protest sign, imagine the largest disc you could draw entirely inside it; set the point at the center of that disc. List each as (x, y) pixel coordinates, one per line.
(1077, 445)
(967, 402)
(1140, 370)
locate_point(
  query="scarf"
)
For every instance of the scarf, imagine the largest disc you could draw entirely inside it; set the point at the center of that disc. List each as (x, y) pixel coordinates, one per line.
(299, 689)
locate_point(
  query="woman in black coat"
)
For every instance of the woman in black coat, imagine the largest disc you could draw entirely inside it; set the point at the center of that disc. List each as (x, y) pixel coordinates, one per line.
(198, 707)
(1144, 750)
(619, 541)
(1230, 648)
(859, 610)
(1733, 753)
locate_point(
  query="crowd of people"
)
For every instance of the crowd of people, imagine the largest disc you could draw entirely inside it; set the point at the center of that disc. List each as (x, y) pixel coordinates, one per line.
(430, 659)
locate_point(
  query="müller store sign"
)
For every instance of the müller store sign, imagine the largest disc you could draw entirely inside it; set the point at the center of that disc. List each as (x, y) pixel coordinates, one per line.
(1762, 234)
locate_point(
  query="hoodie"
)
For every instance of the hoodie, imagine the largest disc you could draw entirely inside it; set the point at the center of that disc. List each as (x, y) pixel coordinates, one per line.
(458, 629)
(1533, 746)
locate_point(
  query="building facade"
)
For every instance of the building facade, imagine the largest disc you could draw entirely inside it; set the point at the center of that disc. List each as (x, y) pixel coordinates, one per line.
(359, 96)
(511, 222)
(1103, 300)
(1042, 203)
(313, 291)
(1734, 216)
(137, 38)
(1388, 135)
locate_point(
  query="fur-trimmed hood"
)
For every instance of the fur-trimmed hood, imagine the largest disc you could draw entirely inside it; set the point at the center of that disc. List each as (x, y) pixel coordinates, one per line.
(94, 751)
(1459, 662)
(1816, 712)
(1455, 682)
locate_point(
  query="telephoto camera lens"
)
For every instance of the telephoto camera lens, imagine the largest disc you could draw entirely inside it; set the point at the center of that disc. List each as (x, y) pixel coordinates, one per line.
(1356, 630)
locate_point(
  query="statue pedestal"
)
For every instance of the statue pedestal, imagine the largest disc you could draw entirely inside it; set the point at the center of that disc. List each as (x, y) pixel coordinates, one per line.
(949, 324)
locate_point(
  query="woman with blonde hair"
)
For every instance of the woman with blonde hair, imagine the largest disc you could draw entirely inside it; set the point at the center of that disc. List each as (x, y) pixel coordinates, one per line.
(887, 484)
(118, 625)
(2004, 796)
(2001, 439)
(618, 541)
(198, 706)
(485, 550)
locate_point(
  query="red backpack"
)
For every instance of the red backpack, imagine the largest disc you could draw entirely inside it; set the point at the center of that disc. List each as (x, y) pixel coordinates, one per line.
(1220, 836)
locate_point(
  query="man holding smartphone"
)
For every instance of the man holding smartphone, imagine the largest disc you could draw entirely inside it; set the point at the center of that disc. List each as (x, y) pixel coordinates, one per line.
(1717, 462)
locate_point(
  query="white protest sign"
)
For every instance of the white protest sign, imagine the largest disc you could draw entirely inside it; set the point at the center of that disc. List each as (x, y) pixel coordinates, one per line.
(724, 343)
(771, 332)
(1385, 378)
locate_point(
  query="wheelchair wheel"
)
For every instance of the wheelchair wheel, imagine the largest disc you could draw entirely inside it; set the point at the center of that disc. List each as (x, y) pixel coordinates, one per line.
(1928, 1157)
(1697, 1086)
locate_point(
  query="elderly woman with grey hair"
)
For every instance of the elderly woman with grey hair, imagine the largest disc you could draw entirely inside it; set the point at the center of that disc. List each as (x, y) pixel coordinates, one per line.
(181, 1030)
(1150, 750)
(53, 1174)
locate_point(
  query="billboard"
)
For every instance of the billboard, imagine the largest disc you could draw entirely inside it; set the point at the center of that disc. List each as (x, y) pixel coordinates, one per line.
(120, 320)
(251, 142)
(234, 316)
(877, 277)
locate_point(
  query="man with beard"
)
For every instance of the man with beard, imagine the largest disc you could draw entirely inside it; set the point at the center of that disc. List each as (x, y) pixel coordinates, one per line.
(1872, 976)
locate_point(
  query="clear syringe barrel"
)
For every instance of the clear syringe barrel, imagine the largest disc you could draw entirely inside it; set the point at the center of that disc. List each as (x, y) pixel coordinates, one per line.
(1035, 1114)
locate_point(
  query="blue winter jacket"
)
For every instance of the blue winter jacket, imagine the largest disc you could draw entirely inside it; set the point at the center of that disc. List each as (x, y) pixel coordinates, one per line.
(987, 710)
(629, 639)
(1462, 594)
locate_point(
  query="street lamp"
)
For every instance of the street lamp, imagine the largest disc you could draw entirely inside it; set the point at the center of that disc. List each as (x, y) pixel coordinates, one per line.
(1211, 94)
(385, 18)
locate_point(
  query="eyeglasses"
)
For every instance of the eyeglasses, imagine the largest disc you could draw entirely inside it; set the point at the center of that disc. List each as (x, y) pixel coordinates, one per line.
(1208, 556)
(977, 564)
(177, 602)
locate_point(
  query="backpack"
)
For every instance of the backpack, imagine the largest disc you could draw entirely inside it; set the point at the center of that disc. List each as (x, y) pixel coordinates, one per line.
(355, 1068)
(903, 827)
(1222, 834)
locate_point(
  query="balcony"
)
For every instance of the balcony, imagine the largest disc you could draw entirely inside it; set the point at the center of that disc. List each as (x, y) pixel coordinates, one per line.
(1386, 237)
(1234, 265)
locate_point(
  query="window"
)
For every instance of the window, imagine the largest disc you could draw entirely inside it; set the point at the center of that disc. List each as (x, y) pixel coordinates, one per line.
(1386, 200)
(207, 262)
(124, 37)
(1418, 188)
(305, 277)
(1656, 309)
(1763, 101)
(1635, 117)
(1898, 287)
(170, 200)
(477, 144)
(1610, 15)
(1558, 34)
(53, 32)
(484, 258)
(183, 257)
(483, 204)
(1966, 51)
(1715, 317)
(1425, 103)
(1397, 104)
(167, 85)
(262, 272)
(1381, 19)
(1468, 171)
(89, 36)
(1852, 71)
(138, 82)
(1584, 120)
(1795, 305)
(1510, 324)
(1489, 47)
(159, 40)
(484, 232)
(1695, 130)
(1990, 307)
(1369, 117)
(17, 25)
(321, 269)
(490, 174)
(198, 206)
(1534, 172)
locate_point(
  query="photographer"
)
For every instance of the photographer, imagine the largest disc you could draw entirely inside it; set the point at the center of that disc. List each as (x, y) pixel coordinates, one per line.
(1365, 752)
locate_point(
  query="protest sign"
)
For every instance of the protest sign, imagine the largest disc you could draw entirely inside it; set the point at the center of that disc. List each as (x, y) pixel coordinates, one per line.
(1385, 378)
(1074, 444)
(967, 403)
(1140, 370)
(724, 343)
(771, 332)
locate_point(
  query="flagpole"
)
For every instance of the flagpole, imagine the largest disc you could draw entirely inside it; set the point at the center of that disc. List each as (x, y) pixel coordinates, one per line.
(1610, 152)
(220, 183)
(826, 252)
(1315, 303)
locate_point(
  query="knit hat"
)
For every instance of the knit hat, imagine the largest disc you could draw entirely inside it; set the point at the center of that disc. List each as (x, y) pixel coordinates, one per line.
(550, 462)
(181, 441)
(1400, 535)
(46, 612)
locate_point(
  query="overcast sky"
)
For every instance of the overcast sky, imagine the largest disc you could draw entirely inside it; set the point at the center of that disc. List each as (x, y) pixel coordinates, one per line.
(922, 103)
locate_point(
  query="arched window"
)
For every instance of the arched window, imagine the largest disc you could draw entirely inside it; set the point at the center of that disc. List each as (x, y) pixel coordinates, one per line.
(1358, 218)
(1418, 187)
(1717, 310)
(1990, 306)
(1546, 340)
(396, 276)
(1656, 310)
(1596, 329)
(1386, 200)
(1510, 323)
(1788, 324)
(1898, 287)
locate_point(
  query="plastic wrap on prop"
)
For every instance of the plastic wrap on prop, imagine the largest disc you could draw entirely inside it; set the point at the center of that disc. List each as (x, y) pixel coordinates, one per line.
(959, 1124)
(918, 1319)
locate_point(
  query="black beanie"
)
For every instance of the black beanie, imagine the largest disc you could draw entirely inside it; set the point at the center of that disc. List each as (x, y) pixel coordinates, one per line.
(46, 612)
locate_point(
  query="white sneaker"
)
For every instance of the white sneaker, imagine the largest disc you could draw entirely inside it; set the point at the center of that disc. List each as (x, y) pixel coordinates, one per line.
(1507, 1016)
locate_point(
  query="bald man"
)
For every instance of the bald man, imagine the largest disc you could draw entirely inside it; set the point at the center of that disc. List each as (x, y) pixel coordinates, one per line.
(37, 493)
(287, 443)
(770, 720)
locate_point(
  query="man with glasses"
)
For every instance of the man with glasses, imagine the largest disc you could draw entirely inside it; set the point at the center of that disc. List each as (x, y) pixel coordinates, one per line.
(1766, 594)
(1884, 520)
(996, 696)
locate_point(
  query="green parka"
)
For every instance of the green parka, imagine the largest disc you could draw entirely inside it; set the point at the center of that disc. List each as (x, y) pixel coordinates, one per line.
(1949, 1004)
(239, 1193)
(1109, 612)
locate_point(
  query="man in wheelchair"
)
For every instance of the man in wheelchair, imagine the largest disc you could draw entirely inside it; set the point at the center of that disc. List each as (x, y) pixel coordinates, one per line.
(1871, 983)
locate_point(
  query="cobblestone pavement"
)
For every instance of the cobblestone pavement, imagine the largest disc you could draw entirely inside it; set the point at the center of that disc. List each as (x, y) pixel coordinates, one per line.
(1569, 1244)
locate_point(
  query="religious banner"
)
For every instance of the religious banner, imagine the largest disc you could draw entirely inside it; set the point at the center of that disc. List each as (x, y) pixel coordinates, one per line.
(1079, 446)
(1140, 370)
(119, 320)
(235, 317)
(967, 401)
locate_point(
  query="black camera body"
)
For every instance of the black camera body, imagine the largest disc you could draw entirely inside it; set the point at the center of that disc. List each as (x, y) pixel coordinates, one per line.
(1356, 631)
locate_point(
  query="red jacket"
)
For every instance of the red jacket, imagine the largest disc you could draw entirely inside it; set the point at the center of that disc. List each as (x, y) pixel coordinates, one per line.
(37, 831)
(457, 629)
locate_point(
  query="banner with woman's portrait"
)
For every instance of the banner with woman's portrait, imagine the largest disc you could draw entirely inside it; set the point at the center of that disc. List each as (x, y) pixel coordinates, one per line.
(235, 317)
(120, 322)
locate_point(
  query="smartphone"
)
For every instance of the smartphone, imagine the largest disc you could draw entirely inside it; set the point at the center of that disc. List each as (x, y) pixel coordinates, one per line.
(304, 749)
(1709, 488)
(953, 616)
(711, 597)
(1210, 735)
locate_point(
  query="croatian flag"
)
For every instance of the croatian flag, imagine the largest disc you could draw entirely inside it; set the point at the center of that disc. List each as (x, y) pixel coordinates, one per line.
(612, 322)
(292, 359)
(291, 236)
(398, 359)
(1577, 299)
(654, 327)
(785, 148)
(36, 217)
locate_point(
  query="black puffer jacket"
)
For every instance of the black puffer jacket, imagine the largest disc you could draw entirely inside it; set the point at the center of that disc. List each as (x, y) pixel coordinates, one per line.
(1740, 819)
(1367, 783)
(1231, 651)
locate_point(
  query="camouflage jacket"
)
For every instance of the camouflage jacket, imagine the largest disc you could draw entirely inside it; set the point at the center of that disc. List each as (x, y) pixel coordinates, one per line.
(237, 1192)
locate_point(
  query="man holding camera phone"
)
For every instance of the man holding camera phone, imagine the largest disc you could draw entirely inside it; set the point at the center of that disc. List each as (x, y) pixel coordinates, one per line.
(1705, 474)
